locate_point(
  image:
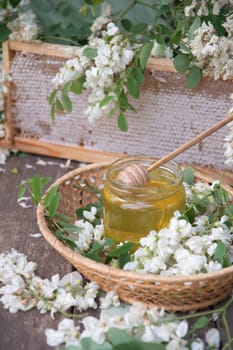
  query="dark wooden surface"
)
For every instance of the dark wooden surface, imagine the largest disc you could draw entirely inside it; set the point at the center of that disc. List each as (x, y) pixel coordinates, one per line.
(26, 330)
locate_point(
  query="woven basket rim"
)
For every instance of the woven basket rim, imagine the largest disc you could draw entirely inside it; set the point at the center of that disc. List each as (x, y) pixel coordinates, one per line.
(99, 267)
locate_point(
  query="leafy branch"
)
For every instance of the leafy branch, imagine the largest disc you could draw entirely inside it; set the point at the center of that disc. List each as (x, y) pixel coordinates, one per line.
(60, 224)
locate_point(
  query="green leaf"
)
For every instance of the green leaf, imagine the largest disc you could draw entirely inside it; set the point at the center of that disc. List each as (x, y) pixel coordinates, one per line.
(69, 228)
(66, 102)
(95, 253)
(145, 54)
(59, 105)
(137, 345)
(133, 87)
(181, 63)
(122, 122)
(218, 193)
(126, 24)
(193, 77)
(36, 188)
(52, 112)
(77, 86)
(66, 88)
(194, 26)
(201, 323)
(90, 53)
(49, 196)
(45, 181)
(21, 191)
(89, 344)
(73, 347)
(52, 96)
(123, 259)
(94, 2)
(138, 74)
(4, 5)
(188, 175)
(190, 214)
(123, 102)
(138, 28)
(52, 209)
(202, 204)
(119, 336)
(106, 100)
(59, 234)
(124, 248)
(14, 3)
(4, 31)
(226, 261)
(220, 252)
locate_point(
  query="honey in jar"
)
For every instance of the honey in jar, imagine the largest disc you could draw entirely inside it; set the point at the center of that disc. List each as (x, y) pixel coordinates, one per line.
(131, 212)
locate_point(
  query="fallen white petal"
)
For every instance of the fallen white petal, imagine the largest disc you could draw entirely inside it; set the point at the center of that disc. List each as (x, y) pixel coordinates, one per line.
(35, 235)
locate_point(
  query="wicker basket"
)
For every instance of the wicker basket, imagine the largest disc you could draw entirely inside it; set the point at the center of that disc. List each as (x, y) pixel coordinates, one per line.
(172, 294)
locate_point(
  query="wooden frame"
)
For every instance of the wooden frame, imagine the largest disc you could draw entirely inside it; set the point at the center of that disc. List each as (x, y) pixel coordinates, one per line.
(31, 145)
(170, 114)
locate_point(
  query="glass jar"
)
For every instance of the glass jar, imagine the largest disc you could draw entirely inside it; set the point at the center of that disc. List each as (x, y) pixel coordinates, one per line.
(132, 212)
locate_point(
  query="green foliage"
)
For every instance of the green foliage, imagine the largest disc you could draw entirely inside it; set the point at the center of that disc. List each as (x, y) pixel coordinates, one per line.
(193, 77)
(221, 254)
(122, 122)
(188, 175)
(181, 63)
(200, 323)
(90, 53)
(13, 3)
(145, 54)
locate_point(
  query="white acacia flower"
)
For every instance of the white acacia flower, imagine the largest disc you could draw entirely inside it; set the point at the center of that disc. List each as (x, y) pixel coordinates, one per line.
(24, 27)
(13, 303)
(54, 337)
(85, 237)
(15, 285)
(71, 279)
(197, 344)
(110, 299)
(195, 244)
(112, 29)
(213, 338)
(182, 329)
(90, 215)
(94, 328)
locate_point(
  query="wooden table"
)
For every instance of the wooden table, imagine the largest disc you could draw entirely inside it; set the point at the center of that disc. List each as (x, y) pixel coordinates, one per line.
(26, 330)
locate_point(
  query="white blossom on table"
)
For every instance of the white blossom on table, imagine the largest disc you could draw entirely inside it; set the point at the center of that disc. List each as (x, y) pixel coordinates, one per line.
(21, 289)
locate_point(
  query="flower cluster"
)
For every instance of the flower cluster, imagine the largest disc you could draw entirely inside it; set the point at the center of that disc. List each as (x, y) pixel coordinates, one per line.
(185, 248)
(89, 232)
(22, 289)
(182, 248)
(213, 53)
(145, 324)
(24, 27)
(101, 63)
(201, 8)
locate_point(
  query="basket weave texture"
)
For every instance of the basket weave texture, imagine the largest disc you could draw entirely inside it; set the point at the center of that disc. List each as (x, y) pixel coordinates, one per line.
(176, 293)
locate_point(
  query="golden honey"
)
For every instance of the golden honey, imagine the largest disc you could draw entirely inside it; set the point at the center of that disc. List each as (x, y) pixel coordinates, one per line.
(132, 212)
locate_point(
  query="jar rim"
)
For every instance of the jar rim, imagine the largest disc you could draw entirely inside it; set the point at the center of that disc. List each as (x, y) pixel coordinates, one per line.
(119, 164)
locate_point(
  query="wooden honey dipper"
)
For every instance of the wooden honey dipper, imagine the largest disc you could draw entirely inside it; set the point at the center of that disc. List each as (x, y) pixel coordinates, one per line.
(139, 175)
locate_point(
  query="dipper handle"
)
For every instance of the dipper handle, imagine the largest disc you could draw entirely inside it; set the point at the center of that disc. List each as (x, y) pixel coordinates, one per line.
(190, 143)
